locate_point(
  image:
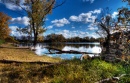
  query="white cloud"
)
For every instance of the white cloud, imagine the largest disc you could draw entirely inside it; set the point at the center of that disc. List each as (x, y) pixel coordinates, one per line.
(97, 11)
(49, 27)
(69, 34)
(74, 33)
(60, 22)
(114, 14)
(14, 31)
(88, 0)
(94, 35)
(10, 5)
(20, 20)
(92, 27)
(86, 17)
(74, 18)
(13, 28)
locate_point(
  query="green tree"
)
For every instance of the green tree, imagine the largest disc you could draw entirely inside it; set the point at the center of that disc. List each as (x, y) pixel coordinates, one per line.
(55, 38)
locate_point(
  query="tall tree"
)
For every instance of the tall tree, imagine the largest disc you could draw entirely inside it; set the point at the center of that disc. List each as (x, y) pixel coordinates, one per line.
(4, 28)
(37, 10)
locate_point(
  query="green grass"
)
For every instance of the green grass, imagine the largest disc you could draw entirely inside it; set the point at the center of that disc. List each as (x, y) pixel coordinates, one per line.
(2, 41)
(86, 71)
(71, 71)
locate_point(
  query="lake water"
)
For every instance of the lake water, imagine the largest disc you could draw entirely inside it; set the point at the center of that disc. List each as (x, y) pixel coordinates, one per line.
(81, 47)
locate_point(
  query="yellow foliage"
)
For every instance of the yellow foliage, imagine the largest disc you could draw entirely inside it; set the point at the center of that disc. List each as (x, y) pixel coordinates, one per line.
(40, 38)
(4, 29)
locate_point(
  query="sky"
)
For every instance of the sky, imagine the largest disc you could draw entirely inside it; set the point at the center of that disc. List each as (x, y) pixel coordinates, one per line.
(73, 18)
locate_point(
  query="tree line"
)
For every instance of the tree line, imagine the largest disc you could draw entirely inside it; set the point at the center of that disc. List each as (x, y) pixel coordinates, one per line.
(60, 38)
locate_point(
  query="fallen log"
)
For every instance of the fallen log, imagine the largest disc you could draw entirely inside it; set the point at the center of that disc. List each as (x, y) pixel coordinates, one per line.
(59, 51)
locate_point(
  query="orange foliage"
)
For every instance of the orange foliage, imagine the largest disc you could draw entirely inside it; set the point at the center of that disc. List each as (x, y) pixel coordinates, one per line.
(4, 28)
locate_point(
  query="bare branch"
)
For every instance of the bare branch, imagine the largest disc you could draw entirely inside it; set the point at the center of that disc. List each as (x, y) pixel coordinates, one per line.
(59, 4)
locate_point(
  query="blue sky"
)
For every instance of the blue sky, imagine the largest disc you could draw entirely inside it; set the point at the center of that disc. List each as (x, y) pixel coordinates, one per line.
(74, 18)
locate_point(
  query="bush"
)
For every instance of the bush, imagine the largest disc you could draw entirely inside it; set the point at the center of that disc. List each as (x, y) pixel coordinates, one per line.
(11, 40)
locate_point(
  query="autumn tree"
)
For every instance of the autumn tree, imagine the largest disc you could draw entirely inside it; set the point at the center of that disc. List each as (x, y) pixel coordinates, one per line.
(4, 28)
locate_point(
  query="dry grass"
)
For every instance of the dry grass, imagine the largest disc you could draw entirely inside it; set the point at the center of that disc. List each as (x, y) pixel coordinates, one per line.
(25, 55)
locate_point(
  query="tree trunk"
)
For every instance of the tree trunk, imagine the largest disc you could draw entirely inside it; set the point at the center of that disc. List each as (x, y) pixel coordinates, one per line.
(108, 43)
(35, 34)
(35, 40)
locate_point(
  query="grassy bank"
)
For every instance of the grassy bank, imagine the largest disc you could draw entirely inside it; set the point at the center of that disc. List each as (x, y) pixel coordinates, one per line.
(24, 55)
(72, 71)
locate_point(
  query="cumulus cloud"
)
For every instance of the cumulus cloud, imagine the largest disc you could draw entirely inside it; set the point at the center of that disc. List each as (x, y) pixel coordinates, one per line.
(86, 17)
(88, 0)
(60, 22)
(20, 20)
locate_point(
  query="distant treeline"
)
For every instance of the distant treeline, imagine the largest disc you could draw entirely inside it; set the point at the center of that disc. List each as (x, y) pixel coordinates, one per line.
(53, 38)
(60, 38)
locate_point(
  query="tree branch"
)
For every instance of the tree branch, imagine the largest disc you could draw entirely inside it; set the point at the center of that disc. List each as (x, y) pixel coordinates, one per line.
(59, 4)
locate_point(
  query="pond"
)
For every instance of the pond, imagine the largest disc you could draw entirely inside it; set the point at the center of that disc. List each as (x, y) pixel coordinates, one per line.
(80, 47)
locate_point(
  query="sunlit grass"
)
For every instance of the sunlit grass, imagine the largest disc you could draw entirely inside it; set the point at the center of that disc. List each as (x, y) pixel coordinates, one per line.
(23, 55)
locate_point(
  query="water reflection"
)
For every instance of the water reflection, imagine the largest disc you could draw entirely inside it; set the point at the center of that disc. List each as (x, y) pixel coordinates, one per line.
(92, 48)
